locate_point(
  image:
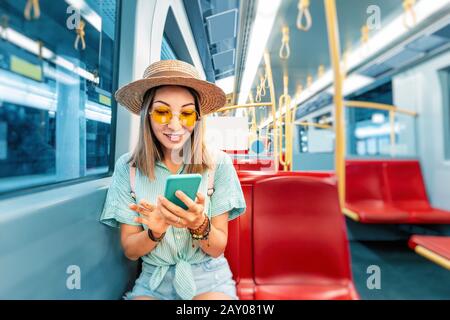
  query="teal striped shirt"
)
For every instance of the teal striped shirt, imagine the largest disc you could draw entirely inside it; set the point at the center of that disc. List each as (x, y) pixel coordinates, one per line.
(176, 247)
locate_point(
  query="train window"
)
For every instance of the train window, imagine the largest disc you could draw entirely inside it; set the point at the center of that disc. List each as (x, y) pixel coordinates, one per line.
(371, 132)
(315, 134)
(167, 52)
(368, 129)
(325, 120)
(56, 65)
(303, 139)
(445, 82)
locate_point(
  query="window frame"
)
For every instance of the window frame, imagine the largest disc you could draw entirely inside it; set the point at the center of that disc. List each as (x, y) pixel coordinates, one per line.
(444, 77)
(165, 41)
(111, 162)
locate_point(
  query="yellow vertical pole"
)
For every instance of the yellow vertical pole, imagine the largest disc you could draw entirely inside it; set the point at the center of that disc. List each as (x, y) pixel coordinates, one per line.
(392, 122)
(253, 112)
(253, 130)
(274, 108)
(280, 142)
(284, 101)
(334, 45)
(288, 123)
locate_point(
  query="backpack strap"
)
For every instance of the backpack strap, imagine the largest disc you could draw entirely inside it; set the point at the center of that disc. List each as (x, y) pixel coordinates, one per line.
(132, 183)
(211, 174)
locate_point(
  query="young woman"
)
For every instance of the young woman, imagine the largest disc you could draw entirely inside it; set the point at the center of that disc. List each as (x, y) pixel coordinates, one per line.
(182, 250)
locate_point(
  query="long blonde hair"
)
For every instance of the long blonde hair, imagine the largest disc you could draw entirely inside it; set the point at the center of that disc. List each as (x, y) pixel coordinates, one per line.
(149, 150)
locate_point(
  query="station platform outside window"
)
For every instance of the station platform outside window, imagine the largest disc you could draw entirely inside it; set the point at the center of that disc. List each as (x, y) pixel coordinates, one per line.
(57, 76)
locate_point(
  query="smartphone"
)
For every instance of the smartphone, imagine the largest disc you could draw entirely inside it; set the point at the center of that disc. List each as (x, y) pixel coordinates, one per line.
(188, 183)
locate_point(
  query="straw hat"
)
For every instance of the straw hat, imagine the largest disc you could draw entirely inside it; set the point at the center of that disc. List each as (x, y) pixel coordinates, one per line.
(171, 72)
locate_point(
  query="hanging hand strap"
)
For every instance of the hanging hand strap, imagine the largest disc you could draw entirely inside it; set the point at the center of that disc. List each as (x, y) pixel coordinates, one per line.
(80, 35)
(32, 5)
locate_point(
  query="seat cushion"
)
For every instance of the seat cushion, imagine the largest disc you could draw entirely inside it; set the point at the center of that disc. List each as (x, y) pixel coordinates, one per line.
(431, 216)
(334, 291)
(412, 205)
(376, 211)
(439, 245)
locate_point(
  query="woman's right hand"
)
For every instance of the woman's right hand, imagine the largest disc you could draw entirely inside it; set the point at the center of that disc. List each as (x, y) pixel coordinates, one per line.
(150, 216)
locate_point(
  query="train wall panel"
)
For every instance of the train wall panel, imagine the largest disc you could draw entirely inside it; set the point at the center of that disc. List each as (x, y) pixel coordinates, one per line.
(54, 247)
(430, 132)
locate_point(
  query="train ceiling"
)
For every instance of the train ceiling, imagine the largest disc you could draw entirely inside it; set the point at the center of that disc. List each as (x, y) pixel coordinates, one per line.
(309, 49)
(215, 27)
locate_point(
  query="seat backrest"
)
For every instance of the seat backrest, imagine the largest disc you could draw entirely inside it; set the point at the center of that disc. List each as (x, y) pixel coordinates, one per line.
(232, 249)
(405, 183)
(364, 180)
(252, 165)
(299, 232)
(239, 245)
(252, 177)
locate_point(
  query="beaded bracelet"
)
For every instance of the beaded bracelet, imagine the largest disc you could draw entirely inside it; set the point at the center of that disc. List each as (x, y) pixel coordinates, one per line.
(197, 231)
(204, 235)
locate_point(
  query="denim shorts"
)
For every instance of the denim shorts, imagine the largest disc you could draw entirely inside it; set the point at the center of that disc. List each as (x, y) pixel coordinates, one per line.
(213, 275)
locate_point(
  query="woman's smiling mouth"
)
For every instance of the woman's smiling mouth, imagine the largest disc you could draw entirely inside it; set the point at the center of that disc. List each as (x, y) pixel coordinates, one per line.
(174, 137)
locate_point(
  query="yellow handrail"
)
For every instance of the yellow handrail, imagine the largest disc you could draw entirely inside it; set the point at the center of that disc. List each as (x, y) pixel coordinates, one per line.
(280, 141)
(378, 106)
(272, 98)
(393, 110)
(271, 104)
(312, 124)
(248, 105)
(285, 101)
(335, 50)
(430, 255)
(254, 125)
(294, 108)
(352, 215)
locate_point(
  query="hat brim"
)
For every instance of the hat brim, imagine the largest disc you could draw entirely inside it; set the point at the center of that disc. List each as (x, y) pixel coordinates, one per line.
(211, 97)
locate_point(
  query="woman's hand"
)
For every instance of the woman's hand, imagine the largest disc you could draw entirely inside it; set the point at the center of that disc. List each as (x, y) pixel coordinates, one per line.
(150, 216)
(191, 218)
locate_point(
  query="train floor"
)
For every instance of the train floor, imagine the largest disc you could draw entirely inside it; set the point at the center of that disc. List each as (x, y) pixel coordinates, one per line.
(402, 274)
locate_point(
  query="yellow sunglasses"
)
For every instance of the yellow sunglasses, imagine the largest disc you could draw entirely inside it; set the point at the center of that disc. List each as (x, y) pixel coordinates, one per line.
(163, 115)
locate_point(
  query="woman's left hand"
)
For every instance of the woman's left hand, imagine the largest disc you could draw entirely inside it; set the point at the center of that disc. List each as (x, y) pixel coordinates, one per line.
(176, 216)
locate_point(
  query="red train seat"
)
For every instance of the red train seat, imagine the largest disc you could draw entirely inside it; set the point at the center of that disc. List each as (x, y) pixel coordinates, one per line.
(389, 191)
(243, 161)
(437, 249)
(307, 292)
(253, 164)
(239, 249)
(407, 191)
(300, 247)
(366, 193)
(248, 176)
(233, 152)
